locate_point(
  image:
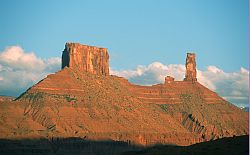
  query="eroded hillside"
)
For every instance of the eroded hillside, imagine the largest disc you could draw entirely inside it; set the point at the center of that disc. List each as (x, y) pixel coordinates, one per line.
(90, 104)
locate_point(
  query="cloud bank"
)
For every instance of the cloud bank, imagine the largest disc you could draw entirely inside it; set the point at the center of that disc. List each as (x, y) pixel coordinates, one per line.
(19, 70)
(231, 86)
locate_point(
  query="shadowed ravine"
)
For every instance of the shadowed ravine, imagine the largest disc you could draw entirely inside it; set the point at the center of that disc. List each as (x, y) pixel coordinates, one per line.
(225, 146)
(63, 146)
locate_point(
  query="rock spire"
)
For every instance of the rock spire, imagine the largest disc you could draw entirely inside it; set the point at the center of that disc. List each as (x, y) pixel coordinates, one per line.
(190, 68)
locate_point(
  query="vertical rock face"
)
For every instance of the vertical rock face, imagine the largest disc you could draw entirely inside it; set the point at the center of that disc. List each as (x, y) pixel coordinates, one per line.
(86, 58)
(190, 68)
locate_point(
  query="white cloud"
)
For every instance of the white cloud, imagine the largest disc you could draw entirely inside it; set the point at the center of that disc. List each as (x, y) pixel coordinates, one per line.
(152, 74)
(19, 70)
(232, 86)
(53, 64)
(16, 58)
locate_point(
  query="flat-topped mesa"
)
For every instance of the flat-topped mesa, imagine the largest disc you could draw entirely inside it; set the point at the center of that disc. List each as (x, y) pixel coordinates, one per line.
(86, 58)
(190, 68)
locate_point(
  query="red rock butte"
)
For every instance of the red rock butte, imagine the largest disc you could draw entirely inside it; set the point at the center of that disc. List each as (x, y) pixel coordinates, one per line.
(86, 58)
(83, 100)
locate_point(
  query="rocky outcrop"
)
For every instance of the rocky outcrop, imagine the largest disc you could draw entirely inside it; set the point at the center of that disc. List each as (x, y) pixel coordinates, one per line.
(192, 124)
(169, 79)
(86, 58)
(190, 68)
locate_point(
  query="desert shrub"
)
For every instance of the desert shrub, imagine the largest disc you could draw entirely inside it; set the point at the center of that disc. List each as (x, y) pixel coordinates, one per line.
(69, 99)
(164, 107)
(34, 96)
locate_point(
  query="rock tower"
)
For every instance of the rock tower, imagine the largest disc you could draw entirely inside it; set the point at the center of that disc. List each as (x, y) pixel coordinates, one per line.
(190, 68)
(86, 58)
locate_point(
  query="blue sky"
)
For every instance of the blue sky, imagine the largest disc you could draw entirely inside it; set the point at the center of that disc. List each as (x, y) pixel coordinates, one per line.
(146, 40)
(135, 32)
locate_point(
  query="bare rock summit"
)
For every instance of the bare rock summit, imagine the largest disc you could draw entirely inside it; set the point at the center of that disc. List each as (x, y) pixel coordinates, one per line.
(86, 58)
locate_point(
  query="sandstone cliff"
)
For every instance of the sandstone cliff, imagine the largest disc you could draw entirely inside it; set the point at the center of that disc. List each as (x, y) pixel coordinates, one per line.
(190, 68)
(86, 58)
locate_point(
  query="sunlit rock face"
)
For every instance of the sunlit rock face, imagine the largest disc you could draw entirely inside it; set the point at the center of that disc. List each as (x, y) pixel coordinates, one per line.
(86, 58)
(190, 68)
